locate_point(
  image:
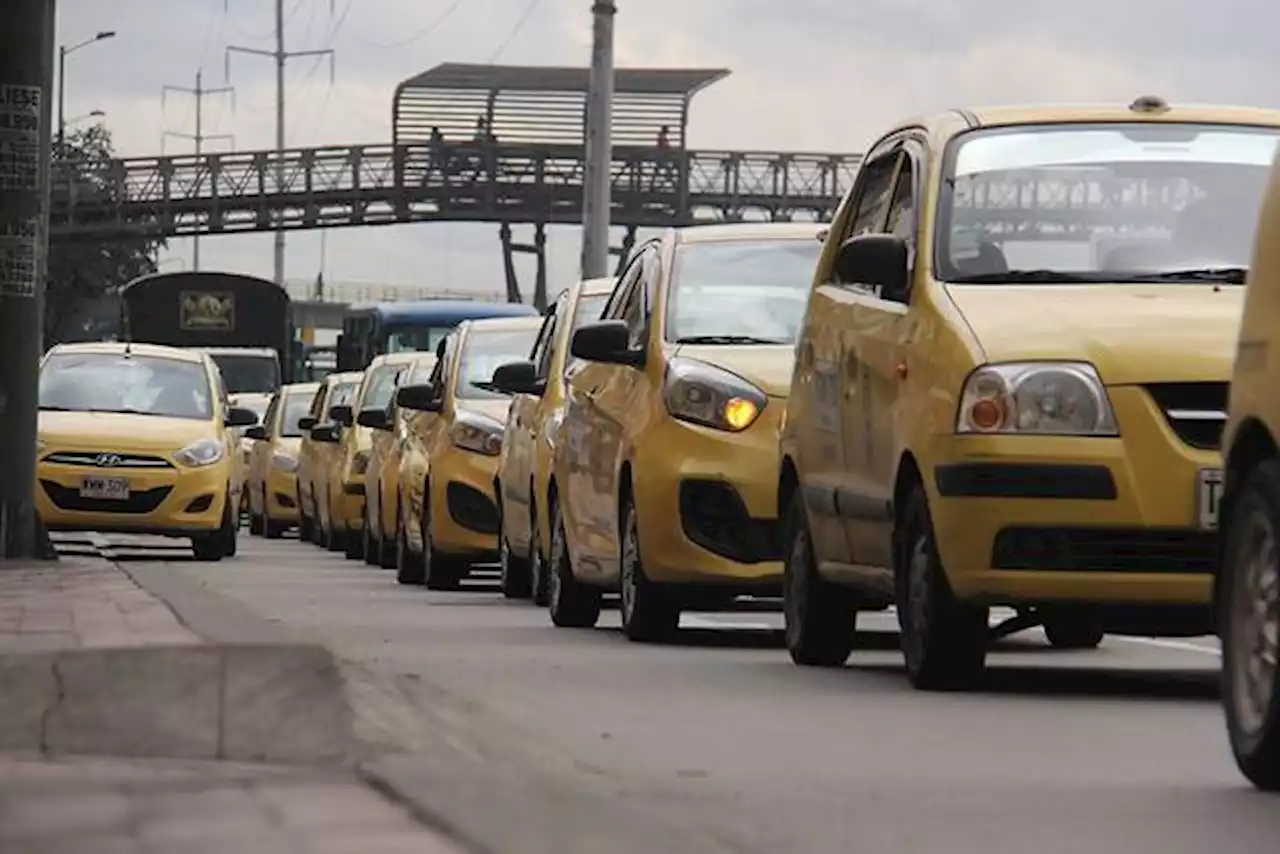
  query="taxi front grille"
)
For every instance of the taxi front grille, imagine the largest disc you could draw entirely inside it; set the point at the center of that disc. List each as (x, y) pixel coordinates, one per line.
(106, 459)
(69, 498)
(1197, 412)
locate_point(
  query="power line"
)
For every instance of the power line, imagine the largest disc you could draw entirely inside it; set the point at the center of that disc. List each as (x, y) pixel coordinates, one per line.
(281, 58)
(199, 137)
(515, 30)
(427, 30)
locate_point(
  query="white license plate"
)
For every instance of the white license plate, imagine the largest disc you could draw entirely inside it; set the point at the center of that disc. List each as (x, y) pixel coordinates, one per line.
(1208, 494)
(109, 488)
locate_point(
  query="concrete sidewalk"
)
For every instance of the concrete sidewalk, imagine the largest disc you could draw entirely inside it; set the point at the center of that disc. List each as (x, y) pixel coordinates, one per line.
(112, 707)
(145, 807)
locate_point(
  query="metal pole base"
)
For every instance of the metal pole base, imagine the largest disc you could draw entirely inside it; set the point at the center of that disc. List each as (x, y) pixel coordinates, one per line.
(23, 534)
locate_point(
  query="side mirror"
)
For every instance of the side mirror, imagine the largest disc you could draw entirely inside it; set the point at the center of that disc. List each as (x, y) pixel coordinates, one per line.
(518, 378)
(374, 418)
(342, 415)
(420, 398)
(256, 433)
(238, 417)
(306, 422)
(605, 341)
(327, 433)
(877, 260)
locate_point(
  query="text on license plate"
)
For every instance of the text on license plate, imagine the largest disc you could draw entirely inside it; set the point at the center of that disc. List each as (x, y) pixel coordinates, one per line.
(110, 488)
(1208, 494)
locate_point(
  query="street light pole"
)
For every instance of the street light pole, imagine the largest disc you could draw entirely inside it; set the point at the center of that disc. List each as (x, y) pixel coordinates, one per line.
(26, 79)
(63, 50)
(598, 171)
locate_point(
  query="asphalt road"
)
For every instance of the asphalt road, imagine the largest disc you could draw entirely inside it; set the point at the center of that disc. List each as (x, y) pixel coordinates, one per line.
(1117, 750)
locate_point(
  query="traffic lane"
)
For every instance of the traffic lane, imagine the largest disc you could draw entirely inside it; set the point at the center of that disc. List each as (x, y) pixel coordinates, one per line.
(721, 732)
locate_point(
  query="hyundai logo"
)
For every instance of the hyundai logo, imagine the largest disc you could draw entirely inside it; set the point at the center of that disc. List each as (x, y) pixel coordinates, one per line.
(107, 461)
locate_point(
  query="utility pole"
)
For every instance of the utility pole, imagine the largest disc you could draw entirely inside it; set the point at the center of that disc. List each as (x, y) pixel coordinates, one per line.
(598, 174)
(26, 81)
(281, 57)
(198, 138)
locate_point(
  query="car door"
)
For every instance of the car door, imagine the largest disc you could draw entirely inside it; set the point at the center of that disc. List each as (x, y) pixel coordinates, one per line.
(616, 404)
(584, 461)
(260, 455)
(518, 442)
(876, 364)
(822, 371)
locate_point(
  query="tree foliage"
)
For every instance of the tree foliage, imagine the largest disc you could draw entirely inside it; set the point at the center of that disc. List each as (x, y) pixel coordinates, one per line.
(85, 274)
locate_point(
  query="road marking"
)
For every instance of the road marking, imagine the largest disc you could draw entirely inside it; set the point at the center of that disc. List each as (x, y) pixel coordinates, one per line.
(693, 621)
(1186, 646)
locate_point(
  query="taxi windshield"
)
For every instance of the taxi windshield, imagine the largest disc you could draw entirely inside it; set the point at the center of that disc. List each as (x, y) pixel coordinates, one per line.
(343, 394)
(297, 405)
(141, 385)
(382, 385)
(1132, 202)
(589, 308)
(741, 291)
(486, 351)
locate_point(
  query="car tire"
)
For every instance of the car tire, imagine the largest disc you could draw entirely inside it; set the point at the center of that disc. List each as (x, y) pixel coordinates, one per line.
(573, 605)
(218, 544)
(408, 565)
(318, 532)
(820, 620)
(514, 571)
(370, 548)
(353, 544)
(439, 571)
(1066, 633)
(650, 611)
(272, 530)
(538, 575)
(1250, 574)
(306, 527)
(944, 641)
(257, 522)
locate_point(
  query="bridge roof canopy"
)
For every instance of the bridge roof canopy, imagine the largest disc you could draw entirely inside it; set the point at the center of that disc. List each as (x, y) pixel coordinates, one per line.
(544, 104)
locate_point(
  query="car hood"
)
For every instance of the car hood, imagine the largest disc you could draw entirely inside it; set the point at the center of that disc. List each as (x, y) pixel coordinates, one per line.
(495, 409)
(766, 366)
(111, 431)
(1131, 333)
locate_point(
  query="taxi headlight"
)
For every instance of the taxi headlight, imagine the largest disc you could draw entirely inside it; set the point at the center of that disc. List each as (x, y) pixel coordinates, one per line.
(1036, 398)
(703, 394)
(205, 452)
(360, 462)
(477, 434)
(284, 462)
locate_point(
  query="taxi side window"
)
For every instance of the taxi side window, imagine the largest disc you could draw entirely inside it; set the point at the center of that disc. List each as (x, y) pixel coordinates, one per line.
(317, 402)
(542, 348)
(876, 189)
(635, 310)
(902, 216)
(269, 417)
(615, 308)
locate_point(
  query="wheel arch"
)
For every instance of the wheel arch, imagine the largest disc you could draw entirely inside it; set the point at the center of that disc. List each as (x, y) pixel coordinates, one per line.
(1251, 444)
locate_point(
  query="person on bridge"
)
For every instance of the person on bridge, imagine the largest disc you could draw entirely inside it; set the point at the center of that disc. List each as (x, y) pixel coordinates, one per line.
(665, 169)
(437, 159)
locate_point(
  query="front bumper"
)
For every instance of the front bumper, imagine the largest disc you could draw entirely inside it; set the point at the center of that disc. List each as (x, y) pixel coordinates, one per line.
(1024, 519)
(709, 513)
(464, 518)
(169, 501)
(282, 497)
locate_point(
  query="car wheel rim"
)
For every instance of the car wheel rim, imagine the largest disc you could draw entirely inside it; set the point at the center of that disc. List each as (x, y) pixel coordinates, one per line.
(919, 604)
(1255, 624)
(630, 568)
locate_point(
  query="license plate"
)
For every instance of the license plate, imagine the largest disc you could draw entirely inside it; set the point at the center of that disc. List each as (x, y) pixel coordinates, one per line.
(1208, 493)
(108, 488)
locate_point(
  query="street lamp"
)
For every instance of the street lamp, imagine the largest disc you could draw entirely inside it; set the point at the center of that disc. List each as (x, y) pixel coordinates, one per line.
(93, 114)
(63, 50)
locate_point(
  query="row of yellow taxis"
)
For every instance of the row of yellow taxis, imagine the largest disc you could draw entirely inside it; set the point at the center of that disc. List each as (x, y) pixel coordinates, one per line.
(999, 378)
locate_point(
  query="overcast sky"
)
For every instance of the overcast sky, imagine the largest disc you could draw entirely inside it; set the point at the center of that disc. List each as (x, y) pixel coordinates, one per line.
(813, 75)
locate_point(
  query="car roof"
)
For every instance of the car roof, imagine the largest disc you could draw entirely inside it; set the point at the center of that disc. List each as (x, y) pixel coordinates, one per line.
(300, 388)
(403, 357)
(443, 310)
(595, 287)
(948, 123)
(750, 231)
(119, 348)
(344, 377)
(505, 324)
(237, 351)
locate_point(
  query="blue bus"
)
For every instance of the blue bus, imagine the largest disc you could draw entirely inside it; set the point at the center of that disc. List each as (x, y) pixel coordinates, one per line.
(418, 326)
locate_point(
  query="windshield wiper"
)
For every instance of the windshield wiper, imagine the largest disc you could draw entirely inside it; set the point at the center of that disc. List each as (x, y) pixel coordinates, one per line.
(125, 411)
(727, 339)
(57, 409)
(1222, 275)
(1034, 277)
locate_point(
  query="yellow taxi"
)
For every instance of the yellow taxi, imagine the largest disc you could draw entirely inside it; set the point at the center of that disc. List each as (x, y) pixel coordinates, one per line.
(448, 514)
(273, 463)
(137, 438)
(1010, 385)
(390, 426)
(524, 466)
(257, 404)
(351, 463)
(665, 469)
(316, 455)
(1247, 589)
